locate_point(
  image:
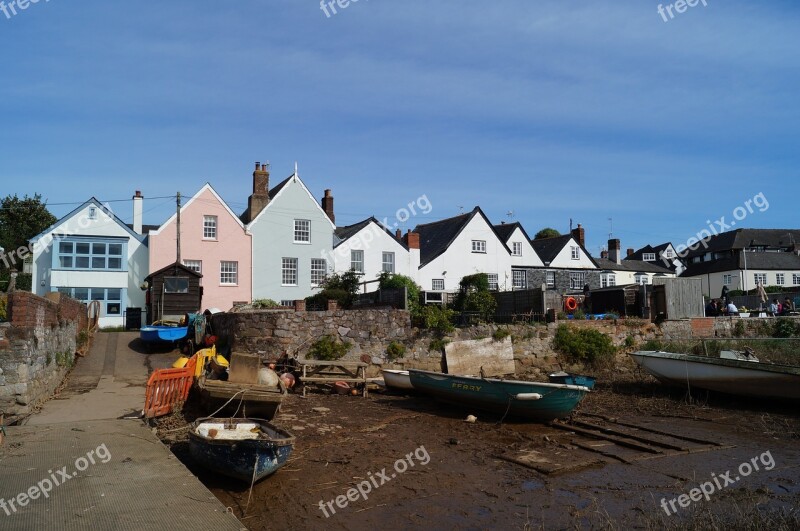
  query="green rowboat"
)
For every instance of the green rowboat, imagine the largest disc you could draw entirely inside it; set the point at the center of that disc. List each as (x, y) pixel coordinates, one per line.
(530, 400)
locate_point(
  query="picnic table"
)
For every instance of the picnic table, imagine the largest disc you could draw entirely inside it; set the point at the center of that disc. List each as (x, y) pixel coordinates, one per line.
(318, 371)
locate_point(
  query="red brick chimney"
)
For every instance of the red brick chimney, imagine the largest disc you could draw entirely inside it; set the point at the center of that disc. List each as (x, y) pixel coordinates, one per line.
(630, 252)
(398, 234)
(327, 206)
(614, 248)
(411, 239)
(260, 198)
(580, 235)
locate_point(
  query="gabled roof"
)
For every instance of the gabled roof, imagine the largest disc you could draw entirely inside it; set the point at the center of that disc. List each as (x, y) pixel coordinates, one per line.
(275, 192)
(634, 266)
(548, 248)
(344, 233)
(176, 267)
(505, 230)
(97, 203)
(741, 238)
(435, 238)
(657, 250)
(205, 187)
(778, 261)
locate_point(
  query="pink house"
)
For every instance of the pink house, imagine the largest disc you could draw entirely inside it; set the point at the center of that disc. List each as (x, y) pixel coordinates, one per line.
(214, 242)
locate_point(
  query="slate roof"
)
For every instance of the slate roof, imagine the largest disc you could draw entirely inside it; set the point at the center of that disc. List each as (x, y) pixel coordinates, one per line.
(343, 233)
(634, 266)
(741, 238)
(548, 248)
(175, 267)
(436, 237)
(779, 261)
(245, 217)
(505, 230)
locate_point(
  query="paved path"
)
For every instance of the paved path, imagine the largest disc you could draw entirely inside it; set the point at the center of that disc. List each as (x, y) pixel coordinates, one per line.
(108, 383)
(101, 472)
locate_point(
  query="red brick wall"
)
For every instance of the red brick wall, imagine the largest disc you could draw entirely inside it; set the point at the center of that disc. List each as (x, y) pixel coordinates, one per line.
(703, 327)
(26, 310)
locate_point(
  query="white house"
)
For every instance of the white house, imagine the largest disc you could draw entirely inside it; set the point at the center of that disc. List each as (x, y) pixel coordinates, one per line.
(91, 255)
(523, 255)
(742, 258)
(369, 248)
(614, 271)
(663, 255)
(463, 245)
(292, 238)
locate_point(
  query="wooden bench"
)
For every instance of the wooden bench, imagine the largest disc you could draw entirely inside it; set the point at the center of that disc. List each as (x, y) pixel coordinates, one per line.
(317, 371)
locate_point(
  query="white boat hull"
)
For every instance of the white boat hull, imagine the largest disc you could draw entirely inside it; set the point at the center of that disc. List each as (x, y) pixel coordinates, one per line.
(397, 379)
(722, 375)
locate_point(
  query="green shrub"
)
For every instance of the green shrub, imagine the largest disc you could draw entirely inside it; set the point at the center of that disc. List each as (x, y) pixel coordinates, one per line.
(653, 344)
(785, 328)
(580, 345)
(579, 315)
(738, 329)
(438, 344)
(82, 338)
(395, 350)
(3, 308)
(629, 341)
(340, 288)
(391, 280)
(500, 334)
(561, 316)
(265, 304)
(327, 348)
(474, 296)
(437, 318)
(64, 359)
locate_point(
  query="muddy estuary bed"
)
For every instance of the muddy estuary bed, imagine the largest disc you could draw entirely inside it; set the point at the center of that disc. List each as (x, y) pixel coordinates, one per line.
(636, 455)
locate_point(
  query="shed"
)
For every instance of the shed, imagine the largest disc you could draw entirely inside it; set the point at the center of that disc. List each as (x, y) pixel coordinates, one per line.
(172, 292)
(626, 300)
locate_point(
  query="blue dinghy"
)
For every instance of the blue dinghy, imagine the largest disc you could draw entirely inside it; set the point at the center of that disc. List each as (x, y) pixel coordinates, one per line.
(572, 379)
(245, 449)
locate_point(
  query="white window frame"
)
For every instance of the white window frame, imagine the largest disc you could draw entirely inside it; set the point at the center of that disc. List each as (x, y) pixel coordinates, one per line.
(479, 246)
(287, 303)
(493, 282)
(548, 275)
(194, 265)
(642, 279)
(796, 279)
(780, 279)
(608, 280)
(387, 262)
(648, 257)
(727, 280)
(357, 260)
(92, 213)
(289, 271)
(760, 278)
(575, 252)
(228, 273)
(210, 227)
(302, 231)
(516, 248)
(577, 279)
(519, 279)
(669, 253)
(319, 269)
(437, 284)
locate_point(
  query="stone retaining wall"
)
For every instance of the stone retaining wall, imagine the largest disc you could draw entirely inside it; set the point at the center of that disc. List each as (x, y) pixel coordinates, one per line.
(37, 348)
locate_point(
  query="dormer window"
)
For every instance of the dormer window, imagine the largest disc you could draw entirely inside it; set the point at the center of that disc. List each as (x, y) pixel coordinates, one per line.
(649, 257)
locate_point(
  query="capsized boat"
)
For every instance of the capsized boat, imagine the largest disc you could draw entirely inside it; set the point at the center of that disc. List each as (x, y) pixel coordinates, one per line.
(734, 372)
(247, 449)
(531, 400)
(163, 333)
(396, 379)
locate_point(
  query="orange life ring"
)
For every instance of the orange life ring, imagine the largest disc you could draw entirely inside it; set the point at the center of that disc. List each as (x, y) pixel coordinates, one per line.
(571, 304)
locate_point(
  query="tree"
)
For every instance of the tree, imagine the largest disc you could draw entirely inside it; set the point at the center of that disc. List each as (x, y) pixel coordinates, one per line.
(21, 220)
(393, 280)
(546, 232)
(341, 288)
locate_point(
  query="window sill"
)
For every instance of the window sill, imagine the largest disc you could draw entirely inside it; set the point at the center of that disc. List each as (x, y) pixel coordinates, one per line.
(210, 239)
(228, 285)
(479, 252)
(302, 243)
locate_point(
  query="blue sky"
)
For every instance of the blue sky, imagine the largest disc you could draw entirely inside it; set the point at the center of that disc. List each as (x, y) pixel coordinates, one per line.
(551, 110)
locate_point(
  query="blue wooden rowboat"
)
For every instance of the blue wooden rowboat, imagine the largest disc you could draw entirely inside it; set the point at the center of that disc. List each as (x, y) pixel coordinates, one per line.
(163, 333)
(571, 379)
(531, 400)
(246, 449)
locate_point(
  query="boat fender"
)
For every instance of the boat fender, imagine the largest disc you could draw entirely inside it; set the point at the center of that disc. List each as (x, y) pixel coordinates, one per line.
(528, 396)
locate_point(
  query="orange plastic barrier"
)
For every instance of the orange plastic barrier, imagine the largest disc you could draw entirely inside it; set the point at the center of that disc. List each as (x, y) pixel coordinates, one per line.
(167, 387)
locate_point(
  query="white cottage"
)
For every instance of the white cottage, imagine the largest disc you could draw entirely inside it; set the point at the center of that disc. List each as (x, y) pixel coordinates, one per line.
(463, 245)
(523, 255)
(91, 255)
(369, 248)
(292, 238)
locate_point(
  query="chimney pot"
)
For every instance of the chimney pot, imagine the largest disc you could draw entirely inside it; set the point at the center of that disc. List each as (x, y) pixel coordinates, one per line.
(258, 163)
(614, 247)
(398, 234)
(630, 251)
(411, 239)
